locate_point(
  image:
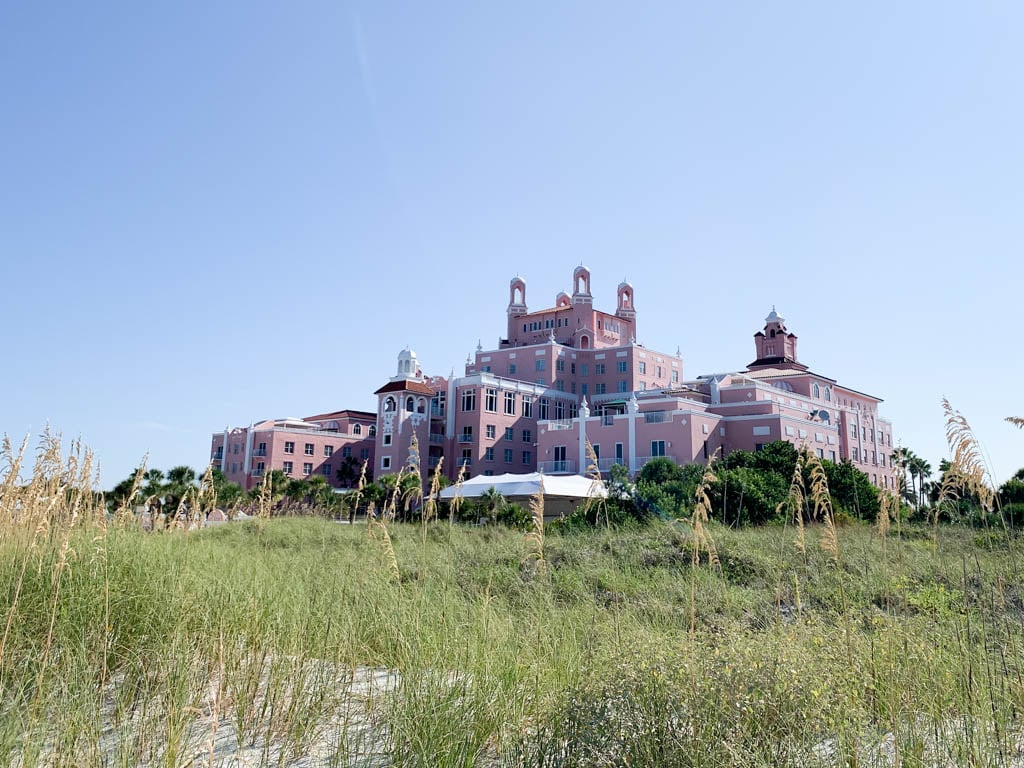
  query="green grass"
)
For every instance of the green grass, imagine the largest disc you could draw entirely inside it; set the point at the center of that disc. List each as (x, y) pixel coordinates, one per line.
(587, 662)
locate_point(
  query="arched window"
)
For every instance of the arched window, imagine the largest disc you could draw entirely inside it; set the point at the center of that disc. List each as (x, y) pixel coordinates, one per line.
(828, 394)
(410, 404)
(358, 428)
(816, 390)
(373, 430)
(389, 404)
(421, 405)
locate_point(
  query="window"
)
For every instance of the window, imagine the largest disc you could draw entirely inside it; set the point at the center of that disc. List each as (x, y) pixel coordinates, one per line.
(288, 466)
(234, 448)
(621, 366)
(599, 369)
(410, 404)
(489, 431)
(543, 409)
(527, 457)
(509, 433)
(583, 389)
(597, 451)
(675, 377)
(488, 454)
(828, 394)
(618, 452)
(508, 455)
(289, 447)
(658, 372)
(357, 429)
(600, 388)
(622, 386)
(528, 406)
(326, 469)
(853, 430)
(527, 436)
(854, 454)
(385, 462)
(389, 404)
(511, 369)
(815, 390)
(560, 365)
(657, 447)
(328, 451)
(234, 467)
(309, 449)
(364, 453)
(467, 435)
(260, 466)
(346, 451)
(560, 385)
(307, 469)
(584, 369)
(821, 453)
(373, 430)
(539, 364)
(768, 431)
(387, 439)
(491, 400)
(467, 457)
(642, 367)
(832, 456)
(468, 400)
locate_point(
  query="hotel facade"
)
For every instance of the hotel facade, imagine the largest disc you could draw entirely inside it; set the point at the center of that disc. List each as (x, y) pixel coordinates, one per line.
(564, 376)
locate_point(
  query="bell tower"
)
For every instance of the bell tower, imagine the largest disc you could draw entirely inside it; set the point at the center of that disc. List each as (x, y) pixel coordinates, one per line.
(775, 345)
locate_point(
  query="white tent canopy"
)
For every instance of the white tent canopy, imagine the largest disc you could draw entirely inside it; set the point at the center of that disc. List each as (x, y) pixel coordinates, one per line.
(562, 493)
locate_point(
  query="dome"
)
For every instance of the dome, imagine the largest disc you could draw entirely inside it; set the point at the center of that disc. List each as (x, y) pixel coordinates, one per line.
(774, 317)
(408, 366)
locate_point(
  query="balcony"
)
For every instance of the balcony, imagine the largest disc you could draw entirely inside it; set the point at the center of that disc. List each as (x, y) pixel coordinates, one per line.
(605, 465)
(436, 412)
(641, 460)
(436, 438)
(559, 424)
(433, 461)
(557, 467)
(464, 462)
(260, 452)
(608, 420)
(465, 438)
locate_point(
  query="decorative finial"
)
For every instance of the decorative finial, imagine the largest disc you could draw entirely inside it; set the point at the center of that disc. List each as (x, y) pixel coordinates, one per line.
(551, 337)
(479, 346)
(679, 351)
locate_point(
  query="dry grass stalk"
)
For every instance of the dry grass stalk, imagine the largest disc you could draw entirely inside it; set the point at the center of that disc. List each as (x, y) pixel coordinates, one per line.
(887, 510)
(701, 515)
(430, 505)
(265, 500)
(1017, 421)
(821, 500)
(207, 498)
(456, 503)
(377, 528)
(535, 538)
(391, 505)
(793, 505)
(413, 494)
(596, 502)
(968, 470)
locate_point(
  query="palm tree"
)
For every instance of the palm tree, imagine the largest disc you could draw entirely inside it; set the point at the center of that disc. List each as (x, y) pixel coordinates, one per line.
(920, 468)
(493, 502)
(180, 480)
(348, 472)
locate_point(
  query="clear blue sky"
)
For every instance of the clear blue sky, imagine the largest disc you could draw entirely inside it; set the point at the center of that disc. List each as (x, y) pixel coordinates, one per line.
(198, 200)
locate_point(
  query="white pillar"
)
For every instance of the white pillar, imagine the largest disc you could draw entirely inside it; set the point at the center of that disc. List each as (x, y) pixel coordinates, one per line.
(634, 409)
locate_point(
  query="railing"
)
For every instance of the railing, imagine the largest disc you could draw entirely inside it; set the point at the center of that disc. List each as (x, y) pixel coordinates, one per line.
(436, 411)
(436, 438)
(260, 452)
(608, 420)
(257, 473)
(606, 464)
(465, 438)
(433, 461)
(641, 460)
(463, 462)
(655, 417)
(559, 424)
(557, 467)
(218, 455)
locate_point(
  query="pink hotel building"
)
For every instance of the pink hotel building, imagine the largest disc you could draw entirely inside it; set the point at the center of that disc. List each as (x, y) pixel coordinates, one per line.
(564, 376)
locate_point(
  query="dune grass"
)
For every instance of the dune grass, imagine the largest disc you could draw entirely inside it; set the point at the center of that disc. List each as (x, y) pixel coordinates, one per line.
(602, 657)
